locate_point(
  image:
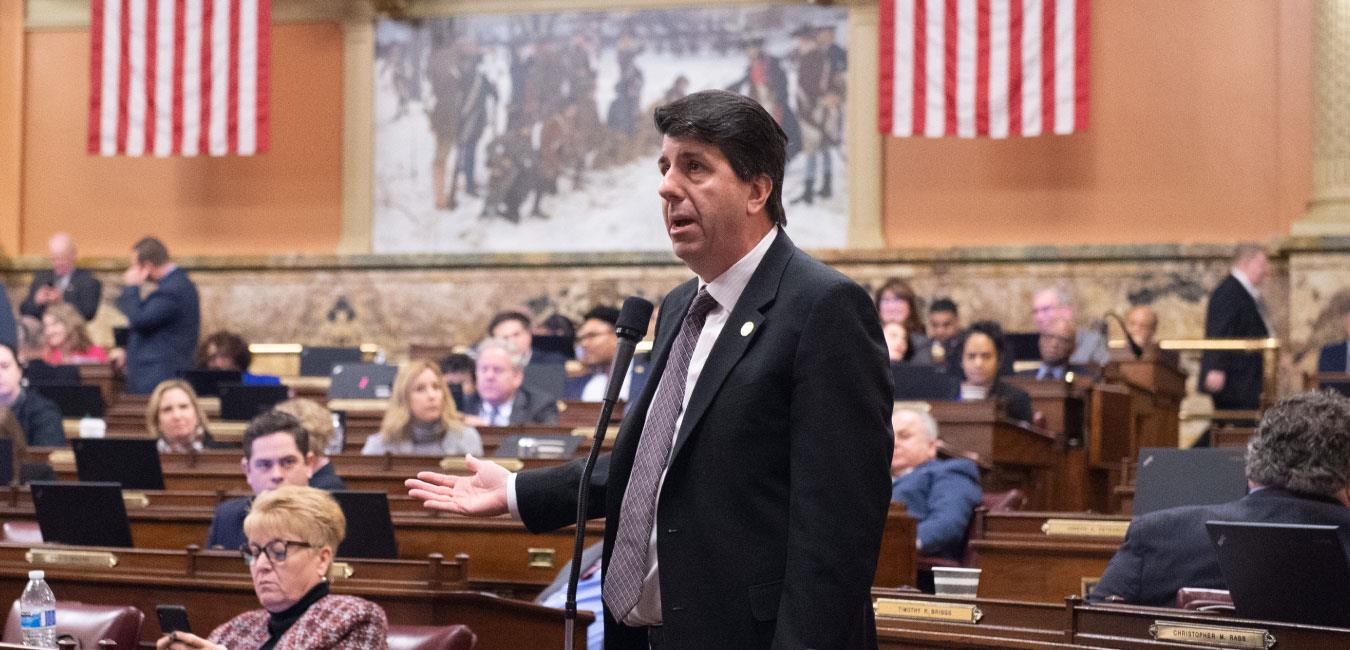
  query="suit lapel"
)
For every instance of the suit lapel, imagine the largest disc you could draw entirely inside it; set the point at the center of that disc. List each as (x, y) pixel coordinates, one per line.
(732, 343)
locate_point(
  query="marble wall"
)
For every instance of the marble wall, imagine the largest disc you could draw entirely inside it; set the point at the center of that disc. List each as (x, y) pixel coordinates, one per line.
(395, 301)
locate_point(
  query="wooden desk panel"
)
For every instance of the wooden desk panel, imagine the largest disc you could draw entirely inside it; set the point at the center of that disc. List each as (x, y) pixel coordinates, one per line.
(1021, 561)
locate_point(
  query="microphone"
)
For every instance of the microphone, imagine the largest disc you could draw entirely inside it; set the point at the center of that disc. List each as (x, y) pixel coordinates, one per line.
(630, 328)
(1129, 340)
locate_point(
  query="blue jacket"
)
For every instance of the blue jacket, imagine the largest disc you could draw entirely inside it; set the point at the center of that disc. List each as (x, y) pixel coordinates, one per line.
(942, 495)
(164, 329)
(227, 526)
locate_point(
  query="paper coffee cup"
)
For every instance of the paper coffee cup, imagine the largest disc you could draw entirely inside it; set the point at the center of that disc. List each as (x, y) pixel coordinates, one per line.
(956, 582)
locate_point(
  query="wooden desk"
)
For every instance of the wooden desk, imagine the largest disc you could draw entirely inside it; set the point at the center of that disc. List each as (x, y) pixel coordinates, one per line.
(1021, 457)
(215, 586)
(1070, 623)
(1041, 556)
(1165, 385)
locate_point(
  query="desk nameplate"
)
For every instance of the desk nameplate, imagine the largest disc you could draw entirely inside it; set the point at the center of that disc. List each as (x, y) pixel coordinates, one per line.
(63, 557)
(928, 610)
(1085, 528)
(1211, 636)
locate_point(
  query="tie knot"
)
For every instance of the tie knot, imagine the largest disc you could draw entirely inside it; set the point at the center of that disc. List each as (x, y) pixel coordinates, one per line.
(703, 303)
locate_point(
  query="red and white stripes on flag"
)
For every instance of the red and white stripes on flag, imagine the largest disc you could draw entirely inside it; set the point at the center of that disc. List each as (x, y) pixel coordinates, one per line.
(972, 68)
(178, 77)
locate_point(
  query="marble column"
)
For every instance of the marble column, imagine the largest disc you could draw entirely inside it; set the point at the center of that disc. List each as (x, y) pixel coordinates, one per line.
(1329, 210)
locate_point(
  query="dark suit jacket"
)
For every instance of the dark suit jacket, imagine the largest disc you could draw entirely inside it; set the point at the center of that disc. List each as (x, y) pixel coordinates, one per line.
(83, 293)
(227, 526)
(40, 420)
(942, 495)
(527, 407)
(164, 330)
(770, 516)
(1232, 313)
(1169, 549)
(327, 479)
(9, 329)
(1332, 358)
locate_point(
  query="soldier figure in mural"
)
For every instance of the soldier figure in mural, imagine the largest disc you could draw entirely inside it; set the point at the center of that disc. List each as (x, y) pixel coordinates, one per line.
(677, 90)
(459, 117)
(585, 129)
(511, 165)
(819, 98)
(767, 83)
(624, 110)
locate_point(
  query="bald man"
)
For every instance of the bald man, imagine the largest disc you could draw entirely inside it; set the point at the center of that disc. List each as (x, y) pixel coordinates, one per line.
(63, 283)
(1057, 343)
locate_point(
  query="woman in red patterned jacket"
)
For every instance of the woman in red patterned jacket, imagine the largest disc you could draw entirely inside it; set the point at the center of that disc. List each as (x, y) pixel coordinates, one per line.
(293, 533)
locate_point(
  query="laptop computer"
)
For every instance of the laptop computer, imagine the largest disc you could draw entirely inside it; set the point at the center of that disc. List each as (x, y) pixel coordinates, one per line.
(566, 346)
(207, 383)
(1167, 477)
(41, 373)
(923, 382)
(362, 381)
(81, 514)
(74, 401)
(319, 361)
(239, 402)
(538, 447)
(370, 529)
(1284, 572)
(1023, 346)
(132, 463)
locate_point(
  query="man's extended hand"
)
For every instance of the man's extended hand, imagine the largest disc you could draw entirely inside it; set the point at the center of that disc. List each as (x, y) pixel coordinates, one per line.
(135, 275)
(480, 495)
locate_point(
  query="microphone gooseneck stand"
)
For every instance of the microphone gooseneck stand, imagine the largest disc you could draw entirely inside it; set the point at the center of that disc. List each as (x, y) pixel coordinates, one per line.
(630, 328)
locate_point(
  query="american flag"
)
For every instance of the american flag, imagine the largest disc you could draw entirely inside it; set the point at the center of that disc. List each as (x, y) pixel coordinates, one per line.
(975, 68)
(178, 77)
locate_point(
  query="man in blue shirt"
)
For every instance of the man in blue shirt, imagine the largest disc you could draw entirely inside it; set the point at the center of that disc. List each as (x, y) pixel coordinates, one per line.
(941, 494)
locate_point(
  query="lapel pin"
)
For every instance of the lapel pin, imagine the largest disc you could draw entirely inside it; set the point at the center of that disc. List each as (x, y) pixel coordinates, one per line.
(747, 328)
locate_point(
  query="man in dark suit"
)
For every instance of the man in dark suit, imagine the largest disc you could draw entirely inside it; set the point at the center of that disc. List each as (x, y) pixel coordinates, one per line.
(1236, 311)
(764, 437)
(62, 283)
(1298, 467)
(941, 494)
(501, 398)
(1057, 343)
(163, 325)
(276, 453)
(1336, 357)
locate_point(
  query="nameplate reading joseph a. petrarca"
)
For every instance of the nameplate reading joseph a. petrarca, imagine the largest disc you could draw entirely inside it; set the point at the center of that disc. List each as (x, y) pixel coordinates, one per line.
(1212, 636)
(1085, 528)
(927, 610)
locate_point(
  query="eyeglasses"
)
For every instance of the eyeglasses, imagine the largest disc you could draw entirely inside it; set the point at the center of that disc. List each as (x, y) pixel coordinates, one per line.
(276, 550)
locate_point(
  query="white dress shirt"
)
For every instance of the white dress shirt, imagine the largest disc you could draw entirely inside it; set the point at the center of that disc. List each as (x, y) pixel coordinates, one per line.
(726, 289)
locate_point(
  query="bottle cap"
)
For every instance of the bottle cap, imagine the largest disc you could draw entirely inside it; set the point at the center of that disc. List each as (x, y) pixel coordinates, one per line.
(37, 574)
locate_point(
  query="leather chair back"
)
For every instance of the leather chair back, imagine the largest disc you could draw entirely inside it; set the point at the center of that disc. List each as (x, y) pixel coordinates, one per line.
(431, 637)
(87, 623)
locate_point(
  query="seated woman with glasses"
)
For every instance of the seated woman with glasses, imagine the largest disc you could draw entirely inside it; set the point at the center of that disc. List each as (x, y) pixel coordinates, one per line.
(293, 533)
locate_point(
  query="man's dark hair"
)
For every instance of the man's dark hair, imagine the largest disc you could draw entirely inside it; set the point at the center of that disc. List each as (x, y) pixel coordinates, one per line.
(503, 316)
(741, 129)
(1303, 444)
(603, 312)
(943, 305)
(458, 362)
(559, 325)
(990, 329)
(275, 422)
(152, 250)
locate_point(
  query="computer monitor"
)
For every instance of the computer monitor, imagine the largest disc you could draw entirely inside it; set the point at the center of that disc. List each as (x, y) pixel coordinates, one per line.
(362, 381)
(562, 345)
(74, 401)
(132, 463)
(1284, 572)
(317, 361)
(370, 529)
(238, 402)
(1023, 346)
(81, 514)
(923, 382)
(207, 382)
(41, 373)
(1169, 477)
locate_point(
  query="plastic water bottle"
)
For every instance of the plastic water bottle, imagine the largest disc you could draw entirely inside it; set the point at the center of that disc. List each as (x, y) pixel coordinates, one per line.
(37, 612)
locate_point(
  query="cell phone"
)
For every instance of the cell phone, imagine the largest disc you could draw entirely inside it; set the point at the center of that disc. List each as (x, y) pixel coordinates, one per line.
(173, 618)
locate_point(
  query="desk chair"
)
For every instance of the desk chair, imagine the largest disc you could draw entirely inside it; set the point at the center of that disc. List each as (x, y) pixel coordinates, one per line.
(431, 637)
(88, 624)
(1209, 601)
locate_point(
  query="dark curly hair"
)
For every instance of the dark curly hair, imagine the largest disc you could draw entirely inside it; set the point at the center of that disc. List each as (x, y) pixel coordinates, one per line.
(1303, 444)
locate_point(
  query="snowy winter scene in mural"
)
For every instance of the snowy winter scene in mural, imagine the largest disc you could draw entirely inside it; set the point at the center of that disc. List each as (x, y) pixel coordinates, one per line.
(533, 132)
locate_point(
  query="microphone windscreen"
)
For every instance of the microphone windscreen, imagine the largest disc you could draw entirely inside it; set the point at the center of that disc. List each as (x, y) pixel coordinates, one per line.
(634, 318)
